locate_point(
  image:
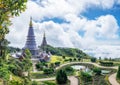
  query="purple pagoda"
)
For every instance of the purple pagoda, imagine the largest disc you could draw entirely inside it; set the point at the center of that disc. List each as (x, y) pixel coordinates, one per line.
(30, 42)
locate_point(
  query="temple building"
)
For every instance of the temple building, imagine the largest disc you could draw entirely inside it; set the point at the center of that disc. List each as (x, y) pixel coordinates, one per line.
(30, 42)
(36, 52)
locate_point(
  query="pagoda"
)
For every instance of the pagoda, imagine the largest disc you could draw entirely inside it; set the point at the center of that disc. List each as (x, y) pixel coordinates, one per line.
(44, 42)
(30, 42)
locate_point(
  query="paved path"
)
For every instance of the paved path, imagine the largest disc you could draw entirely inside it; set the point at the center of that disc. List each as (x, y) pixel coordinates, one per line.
(34, 67)
(73, 80)
(112, 79)
(44, 79)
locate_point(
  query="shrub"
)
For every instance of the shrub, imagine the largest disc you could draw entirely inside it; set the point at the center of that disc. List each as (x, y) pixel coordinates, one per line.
(35, 83)
(48, 71)
(68, 69)
(66, 60)
(75, 59)
(13, 82)
(70, 59)
(86, 76)
(106, 63)
(39, 66)
(57, 63)
(63, 57)
(97, 71)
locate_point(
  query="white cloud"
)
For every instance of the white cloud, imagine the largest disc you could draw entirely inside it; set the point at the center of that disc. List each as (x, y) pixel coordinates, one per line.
(65, 34)
(109, 26)
(104, 51)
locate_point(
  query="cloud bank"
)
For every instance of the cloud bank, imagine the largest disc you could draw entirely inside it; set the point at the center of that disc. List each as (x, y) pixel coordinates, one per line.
(75, 30)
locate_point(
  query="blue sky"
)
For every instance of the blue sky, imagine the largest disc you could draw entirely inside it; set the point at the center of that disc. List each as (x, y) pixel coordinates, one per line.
(93, 13)
(83, 24)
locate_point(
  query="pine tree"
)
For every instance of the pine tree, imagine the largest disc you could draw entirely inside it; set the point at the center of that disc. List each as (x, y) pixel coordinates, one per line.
(61, 77)
(118, 73)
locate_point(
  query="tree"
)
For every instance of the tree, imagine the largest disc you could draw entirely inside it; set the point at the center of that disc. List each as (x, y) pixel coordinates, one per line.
(4, 74)
(35, 83)
(93, 59)
(63, 57)
(99, 58)
(27, 53)
(8, 9)
(61, 77)
(97, 71)
(118, 73)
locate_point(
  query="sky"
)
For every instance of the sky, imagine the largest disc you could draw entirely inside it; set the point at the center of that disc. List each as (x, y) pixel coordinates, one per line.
(90, 25)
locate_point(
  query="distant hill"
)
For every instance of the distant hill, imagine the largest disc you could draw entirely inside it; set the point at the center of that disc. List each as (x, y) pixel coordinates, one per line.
(71, 52)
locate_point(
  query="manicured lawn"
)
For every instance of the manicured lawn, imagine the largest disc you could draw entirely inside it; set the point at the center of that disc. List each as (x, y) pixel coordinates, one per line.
(55, 58)
(86, 60)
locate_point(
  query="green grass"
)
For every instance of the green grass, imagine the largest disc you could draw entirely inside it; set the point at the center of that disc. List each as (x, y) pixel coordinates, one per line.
(107, 80)
(118, 80)
(55, 58)
(116, 63)
(86, 60)
(49, 82)
(16, 78)
(1, 82)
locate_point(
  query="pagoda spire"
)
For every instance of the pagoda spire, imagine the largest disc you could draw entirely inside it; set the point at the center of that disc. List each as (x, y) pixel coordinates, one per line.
(44, 42)
(30, 42)
(44, 34)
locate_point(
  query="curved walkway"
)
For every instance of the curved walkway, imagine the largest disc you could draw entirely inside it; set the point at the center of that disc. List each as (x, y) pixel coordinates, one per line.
(112, 79)
(74, 80)
(95, 64)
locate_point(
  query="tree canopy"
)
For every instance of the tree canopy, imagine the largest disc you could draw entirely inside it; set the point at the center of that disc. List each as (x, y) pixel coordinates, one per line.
(61, 77)
(8, 9)
(71, 52)
(118, 73)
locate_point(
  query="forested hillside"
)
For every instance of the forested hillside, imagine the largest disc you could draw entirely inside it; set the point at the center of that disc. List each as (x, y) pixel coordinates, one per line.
(71, 52)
